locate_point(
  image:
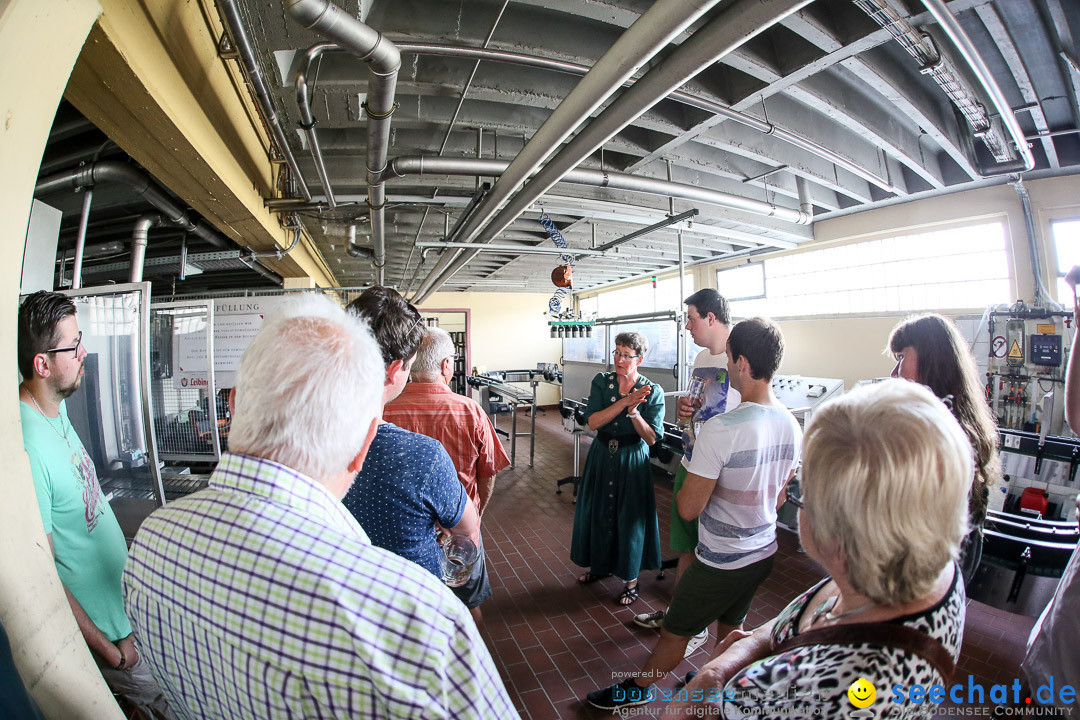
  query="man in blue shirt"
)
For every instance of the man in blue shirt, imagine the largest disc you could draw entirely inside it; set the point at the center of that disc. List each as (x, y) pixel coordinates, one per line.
(408, 488)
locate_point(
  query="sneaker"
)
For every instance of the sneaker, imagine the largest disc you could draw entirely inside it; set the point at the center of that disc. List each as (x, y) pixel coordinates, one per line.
(651, 620)
(696, 642)
(625, 694)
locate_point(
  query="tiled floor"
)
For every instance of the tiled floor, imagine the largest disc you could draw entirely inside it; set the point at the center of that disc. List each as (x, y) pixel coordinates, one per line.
(554, 640)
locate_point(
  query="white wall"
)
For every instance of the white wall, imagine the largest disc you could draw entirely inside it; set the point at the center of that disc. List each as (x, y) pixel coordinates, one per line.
(508, 331)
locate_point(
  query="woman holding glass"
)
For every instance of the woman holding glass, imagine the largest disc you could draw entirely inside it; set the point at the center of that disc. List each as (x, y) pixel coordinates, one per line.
(615, 526)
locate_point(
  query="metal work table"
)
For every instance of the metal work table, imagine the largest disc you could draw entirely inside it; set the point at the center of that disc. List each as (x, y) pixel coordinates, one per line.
(495, 388)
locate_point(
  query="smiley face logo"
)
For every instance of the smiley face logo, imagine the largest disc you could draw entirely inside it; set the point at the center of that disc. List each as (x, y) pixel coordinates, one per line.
(862, 693)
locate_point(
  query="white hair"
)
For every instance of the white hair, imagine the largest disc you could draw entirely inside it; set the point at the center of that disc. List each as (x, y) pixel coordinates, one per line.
(308, 387)
(436, 346)
(886, 472)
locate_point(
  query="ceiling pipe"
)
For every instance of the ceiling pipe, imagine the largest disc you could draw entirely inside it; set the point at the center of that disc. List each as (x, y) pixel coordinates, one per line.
(234, 25)
(709, 106)
(737, 24)
(666, 222)
(139, 238)
(803, 191)
(962, 42)
(652, 32)
(278, 253)
(354, 250)
(520, 249)
(113, 171)
(420, 165)
(384, 60)
(80, 239)
(307, 120)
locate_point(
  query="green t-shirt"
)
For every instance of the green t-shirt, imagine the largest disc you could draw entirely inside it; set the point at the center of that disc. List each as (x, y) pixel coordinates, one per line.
(89, 545)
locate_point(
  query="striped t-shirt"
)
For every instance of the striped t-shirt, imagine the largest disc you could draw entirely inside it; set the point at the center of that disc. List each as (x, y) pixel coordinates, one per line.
(751, 450)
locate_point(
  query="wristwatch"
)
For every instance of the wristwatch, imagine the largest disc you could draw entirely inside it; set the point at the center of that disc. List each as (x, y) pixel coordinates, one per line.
(633, 415)
(123, 660)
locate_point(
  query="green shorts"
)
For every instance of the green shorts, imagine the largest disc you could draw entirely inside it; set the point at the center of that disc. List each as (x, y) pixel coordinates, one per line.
(706, 594)
(683, 535)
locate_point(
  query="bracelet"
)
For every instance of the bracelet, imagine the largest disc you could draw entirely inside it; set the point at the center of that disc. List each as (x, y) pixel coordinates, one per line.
(123, 660)
(633, 415)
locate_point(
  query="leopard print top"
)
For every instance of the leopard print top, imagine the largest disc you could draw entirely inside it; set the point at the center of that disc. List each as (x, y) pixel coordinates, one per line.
(812, 681)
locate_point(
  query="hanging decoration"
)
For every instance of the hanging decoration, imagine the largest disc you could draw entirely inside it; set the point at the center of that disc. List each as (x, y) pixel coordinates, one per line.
(561, 275)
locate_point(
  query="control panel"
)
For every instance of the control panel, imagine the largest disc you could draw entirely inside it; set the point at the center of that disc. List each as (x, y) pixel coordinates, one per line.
(802, 394)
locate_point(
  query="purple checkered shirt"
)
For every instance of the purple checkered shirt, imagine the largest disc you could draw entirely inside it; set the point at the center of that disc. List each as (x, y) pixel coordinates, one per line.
(261, 597)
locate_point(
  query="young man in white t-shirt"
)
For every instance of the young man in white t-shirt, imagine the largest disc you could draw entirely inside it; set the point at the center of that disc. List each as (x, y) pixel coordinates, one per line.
(708, 318)
(734, 485)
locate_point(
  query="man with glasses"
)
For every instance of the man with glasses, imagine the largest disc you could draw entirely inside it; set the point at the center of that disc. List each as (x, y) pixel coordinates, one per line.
(408, 487)
(708, 318)
(429, 407)
(88, 546)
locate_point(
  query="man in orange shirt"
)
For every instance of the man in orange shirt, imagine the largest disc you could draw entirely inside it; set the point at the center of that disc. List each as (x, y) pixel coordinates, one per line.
(428, 406)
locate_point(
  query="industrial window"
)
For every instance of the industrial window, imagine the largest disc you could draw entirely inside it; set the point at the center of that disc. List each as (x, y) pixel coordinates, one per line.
(950, 269)
(638, 299)
(743, 282)
(1066, 234)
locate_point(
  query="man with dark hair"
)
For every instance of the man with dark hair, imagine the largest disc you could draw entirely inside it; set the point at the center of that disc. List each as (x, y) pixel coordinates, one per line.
(708, 318)
(84, 536)
(734, 484)
(408, 487)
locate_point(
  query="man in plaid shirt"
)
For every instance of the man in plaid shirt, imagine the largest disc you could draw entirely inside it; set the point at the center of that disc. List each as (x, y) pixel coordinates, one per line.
(261, 596)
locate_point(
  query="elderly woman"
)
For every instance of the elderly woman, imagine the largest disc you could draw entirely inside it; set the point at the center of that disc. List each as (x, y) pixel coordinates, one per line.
(930, 350)
(886, 473)
(615, 525)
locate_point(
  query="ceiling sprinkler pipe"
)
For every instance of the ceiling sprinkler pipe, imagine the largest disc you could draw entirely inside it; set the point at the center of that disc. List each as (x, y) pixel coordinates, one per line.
(384, 60)
(652, 32)
(734, 27)
(354, 250)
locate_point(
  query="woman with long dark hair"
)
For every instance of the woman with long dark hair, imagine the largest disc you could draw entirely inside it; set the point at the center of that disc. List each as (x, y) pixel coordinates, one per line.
(931, 351)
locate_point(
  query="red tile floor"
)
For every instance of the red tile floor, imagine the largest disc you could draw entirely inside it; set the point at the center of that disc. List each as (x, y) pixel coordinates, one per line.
(554, 640)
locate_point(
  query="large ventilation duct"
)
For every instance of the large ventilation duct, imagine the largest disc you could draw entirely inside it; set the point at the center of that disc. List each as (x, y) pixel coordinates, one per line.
(653, 31)
(941, 69)
(410, 165)
(738, 23)
(384, 60)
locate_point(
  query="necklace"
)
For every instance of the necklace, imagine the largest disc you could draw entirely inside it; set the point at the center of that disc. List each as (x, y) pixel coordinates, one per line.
(41, 412)
(826, 609)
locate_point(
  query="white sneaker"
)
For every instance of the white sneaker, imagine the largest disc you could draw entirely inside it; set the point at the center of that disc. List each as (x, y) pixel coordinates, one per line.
(696, 642)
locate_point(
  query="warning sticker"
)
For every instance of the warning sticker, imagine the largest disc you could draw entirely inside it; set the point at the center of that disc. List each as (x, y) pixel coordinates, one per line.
(998, 346)
(1015, 351)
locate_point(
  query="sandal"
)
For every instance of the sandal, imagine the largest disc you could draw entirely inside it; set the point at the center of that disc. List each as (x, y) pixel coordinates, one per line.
(588, 578)
(628, 596)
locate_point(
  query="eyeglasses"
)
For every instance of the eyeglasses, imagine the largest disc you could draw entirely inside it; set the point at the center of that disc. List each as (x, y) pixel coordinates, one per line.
(73, 348)
(617, 355)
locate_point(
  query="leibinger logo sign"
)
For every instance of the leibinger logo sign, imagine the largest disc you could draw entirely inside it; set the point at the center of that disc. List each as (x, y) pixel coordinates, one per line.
(970, 699)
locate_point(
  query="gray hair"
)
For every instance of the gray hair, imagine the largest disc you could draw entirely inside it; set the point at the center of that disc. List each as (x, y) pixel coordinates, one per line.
(633, 340)
(886, 473)
(436, 346)
(308, 387)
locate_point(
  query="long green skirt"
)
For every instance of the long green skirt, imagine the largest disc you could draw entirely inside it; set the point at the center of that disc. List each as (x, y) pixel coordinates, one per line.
(615, 527)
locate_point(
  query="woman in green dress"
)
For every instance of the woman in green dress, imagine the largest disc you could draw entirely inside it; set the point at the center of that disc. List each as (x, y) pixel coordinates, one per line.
(615, 525)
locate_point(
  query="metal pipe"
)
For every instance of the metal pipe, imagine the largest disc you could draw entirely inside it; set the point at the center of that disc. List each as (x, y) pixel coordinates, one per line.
(307, 120)
(522, 249)
(672, 220)
(234, 25)
(384, 60)
(139, 237)
(277, 252)
(653, 31)
(141, 183)
(731, 29)
(803, 191)
(963, 43)
(709, 106)
(354, 250)
(80, 240)
(1033, 250)
(419, 165)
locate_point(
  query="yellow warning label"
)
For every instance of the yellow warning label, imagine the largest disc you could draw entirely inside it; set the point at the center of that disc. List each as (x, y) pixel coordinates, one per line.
(1047, 329)
(1015, 352)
